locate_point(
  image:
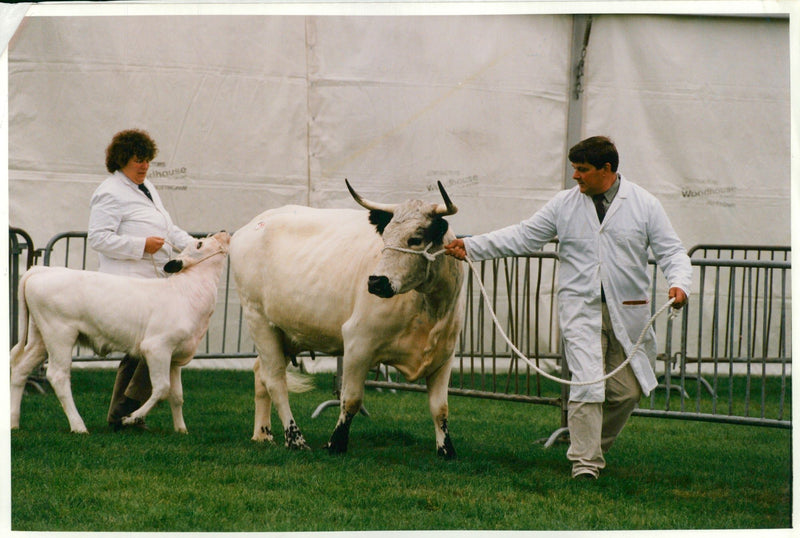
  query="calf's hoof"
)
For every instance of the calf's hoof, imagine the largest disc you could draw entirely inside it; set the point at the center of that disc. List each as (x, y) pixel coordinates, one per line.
(131, 423)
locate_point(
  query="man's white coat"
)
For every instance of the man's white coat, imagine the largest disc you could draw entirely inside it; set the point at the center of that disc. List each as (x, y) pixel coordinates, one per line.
(613, 253)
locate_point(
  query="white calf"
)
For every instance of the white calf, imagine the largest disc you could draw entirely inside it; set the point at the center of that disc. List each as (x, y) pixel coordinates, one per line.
(160, 320)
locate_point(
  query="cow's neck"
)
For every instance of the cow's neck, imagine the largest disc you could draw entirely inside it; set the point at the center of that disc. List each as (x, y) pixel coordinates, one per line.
(440, 292)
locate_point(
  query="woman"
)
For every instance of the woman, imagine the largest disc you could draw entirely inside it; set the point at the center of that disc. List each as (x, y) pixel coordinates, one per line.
(132, 233)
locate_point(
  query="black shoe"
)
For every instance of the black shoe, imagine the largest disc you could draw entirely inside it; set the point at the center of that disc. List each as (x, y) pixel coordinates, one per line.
(585, 476)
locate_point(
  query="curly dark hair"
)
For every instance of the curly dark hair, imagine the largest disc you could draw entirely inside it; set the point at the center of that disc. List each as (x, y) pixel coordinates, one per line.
(597, 151)
(128, 144)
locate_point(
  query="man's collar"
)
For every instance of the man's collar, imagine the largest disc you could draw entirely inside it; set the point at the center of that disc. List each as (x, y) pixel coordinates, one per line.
(612, 190)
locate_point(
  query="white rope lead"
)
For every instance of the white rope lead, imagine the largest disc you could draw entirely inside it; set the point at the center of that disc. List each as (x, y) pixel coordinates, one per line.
(431, 256)
(552, 377)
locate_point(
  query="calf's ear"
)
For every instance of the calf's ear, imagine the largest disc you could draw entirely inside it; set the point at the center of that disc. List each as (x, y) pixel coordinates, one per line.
(173, 266)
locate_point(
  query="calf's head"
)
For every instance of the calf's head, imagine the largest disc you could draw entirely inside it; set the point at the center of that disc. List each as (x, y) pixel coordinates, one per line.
(411, 226)
(199, 250)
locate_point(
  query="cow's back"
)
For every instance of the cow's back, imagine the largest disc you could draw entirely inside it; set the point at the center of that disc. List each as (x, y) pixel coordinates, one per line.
(304, 269)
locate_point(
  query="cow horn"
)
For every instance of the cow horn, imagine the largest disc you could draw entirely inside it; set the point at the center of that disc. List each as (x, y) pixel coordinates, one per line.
(448, 208)
(372, 206)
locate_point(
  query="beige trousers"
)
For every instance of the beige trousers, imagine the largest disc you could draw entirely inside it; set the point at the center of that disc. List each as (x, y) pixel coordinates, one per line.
(593, 427)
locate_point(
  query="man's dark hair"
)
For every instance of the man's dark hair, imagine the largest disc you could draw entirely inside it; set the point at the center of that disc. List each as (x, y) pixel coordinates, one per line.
(128, 144)
(597, 151)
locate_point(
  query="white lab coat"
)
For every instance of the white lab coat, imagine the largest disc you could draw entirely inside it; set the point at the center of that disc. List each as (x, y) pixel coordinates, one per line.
(614, 253)
(121, 218)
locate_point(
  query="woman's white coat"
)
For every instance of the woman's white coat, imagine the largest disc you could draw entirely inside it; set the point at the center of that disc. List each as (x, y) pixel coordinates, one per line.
(120, 220)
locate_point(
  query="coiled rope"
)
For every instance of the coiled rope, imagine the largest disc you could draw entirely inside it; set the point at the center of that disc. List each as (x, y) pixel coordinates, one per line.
(431, 256)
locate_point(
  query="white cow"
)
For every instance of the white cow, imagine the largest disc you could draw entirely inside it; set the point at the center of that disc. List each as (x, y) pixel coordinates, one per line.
(161, 320)
(324, 280)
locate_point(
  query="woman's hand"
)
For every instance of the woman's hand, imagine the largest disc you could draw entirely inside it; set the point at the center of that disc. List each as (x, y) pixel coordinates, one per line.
(153, 244)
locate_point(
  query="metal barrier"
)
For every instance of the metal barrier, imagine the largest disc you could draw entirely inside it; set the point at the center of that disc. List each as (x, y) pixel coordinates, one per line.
(733, 358)
(726, 358)
(19, 242)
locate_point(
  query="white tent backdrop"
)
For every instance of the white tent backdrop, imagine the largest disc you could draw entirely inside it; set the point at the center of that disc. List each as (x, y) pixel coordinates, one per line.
(699, 108)
(253, 112)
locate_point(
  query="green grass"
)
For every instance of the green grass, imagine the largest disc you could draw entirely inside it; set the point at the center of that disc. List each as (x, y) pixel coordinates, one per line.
(661, 474)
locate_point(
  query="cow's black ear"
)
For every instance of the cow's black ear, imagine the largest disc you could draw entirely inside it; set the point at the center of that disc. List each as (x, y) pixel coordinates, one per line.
(173, 266)
(380, 219)
(436, 231)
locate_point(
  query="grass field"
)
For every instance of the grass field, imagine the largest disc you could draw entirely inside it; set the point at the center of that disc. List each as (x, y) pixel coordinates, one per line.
(661, 474)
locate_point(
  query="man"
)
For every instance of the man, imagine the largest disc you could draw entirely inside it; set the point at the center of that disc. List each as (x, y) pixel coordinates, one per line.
(129, 228)
(604, 226)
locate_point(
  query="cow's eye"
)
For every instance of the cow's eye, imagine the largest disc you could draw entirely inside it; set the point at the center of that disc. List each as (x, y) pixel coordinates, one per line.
(414, 241)
(199, 245)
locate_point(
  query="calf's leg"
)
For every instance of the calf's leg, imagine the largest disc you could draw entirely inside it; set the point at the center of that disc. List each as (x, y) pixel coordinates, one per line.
(158, 362)
(58, 374)
(176, 398)
(25, 357)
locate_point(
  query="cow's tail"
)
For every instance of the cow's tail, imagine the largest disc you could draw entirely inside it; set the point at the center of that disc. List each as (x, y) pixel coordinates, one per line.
(298, 382)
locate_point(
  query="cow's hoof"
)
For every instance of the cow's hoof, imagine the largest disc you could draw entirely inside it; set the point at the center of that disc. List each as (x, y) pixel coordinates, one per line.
(447, 451)
(334, 448)
(263, 435)
(295, 439)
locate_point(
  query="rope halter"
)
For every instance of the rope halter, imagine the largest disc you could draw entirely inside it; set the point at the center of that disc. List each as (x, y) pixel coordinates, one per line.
(430, 256)
(176, 249)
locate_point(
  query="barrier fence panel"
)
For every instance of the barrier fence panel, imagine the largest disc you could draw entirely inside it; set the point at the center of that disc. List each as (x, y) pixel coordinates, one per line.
(725, 358)
(19, 243)
(22, 255)
(730, 361)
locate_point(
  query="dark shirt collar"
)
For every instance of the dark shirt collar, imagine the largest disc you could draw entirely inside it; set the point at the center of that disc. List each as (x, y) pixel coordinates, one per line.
(612, 191)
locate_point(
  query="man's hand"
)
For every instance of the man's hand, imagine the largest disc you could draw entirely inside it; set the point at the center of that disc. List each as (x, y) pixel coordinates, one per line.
(456, 249)
(680, 297)
(153, 244)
